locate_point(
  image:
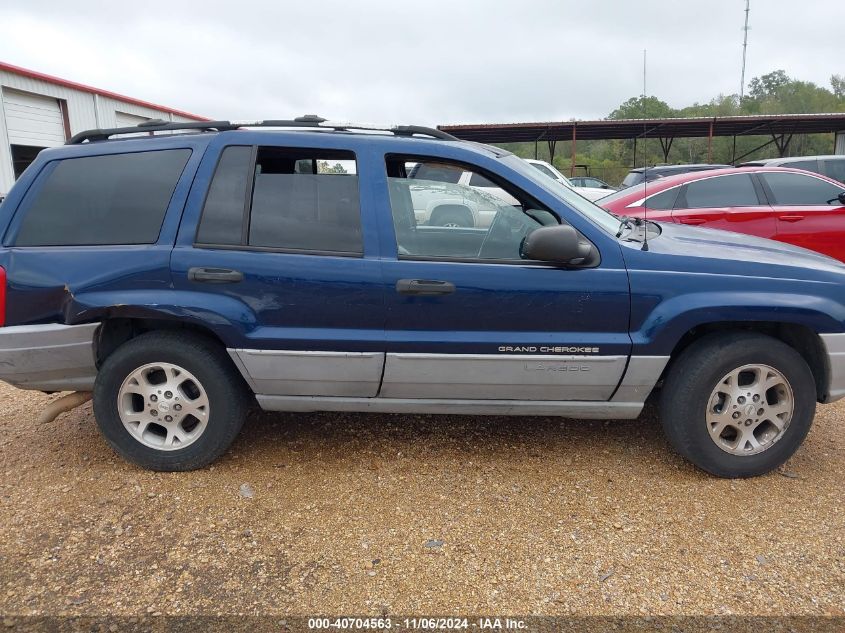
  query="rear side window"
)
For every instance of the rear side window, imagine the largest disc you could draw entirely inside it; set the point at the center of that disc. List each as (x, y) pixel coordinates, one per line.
(722, 191)
(306, 200)
(798, 189)
(284, 198)
(96, 200)
(223, 214)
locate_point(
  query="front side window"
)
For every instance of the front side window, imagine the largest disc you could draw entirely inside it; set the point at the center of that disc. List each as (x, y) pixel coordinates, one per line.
(300, 200)
(99, 200)
(433, 218)
(798, 189)
(721, 191)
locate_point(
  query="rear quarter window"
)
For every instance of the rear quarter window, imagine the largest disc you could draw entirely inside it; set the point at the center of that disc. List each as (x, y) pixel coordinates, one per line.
(98, 200)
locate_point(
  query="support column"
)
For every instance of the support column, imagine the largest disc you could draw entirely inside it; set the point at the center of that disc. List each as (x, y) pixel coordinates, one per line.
(574, 140)
(710, 144)
(839, 142)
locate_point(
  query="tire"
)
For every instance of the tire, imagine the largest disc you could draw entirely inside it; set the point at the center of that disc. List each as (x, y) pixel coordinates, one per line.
(204, 398)
(694, 397)
(452, 215)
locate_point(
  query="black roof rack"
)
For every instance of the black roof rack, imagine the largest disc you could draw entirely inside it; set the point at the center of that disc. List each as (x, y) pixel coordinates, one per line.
(308, 121)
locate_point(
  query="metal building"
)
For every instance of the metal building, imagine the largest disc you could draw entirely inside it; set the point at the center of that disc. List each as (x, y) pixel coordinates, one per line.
(39, 111)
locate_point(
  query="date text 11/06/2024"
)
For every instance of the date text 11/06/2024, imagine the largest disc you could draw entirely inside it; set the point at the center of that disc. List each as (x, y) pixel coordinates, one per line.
(417, 623)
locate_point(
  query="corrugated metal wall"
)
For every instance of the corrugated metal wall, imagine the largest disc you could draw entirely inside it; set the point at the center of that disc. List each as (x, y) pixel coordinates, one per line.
(85, 111)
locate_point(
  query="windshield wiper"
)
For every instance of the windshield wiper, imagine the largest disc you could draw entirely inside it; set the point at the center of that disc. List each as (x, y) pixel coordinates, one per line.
(626, 222)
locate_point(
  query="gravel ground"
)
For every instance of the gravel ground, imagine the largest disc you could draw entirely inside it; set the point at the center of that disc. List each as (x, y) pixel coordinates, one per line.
(427, 515)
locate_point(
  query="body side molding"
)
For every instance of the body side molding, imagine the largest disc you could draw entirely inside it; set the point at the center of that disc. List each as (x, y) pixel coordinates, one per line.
(561, 408)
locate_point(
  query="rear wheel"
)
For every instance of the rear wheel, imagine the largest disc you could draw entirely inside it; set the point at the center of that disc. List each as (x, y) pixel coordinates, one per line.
(739, 404)
(169, 401)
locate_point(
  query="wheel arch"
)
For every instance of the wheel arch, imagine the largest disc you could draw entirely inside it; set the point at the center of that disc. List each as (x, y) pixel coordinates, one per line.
(801, 338)
(114, 332)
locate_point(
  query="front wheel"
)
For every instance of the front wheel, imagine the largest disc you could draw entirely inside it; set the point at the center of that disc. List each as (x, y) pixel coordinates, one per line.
(169, 401)
(738, 404)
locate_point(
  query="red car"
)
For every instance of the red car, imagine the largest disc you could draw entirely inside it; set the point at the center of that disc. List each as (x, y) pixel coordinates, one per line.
(789, 205)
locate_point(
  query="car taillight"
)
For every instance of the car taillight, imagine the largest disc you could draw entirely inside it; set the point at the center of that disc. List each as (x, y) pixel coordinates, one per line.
(2, 296)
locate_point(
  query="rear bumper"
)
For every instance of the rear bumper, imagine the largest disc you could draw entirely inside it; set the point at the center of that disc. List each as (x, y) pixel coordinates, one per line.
(51, 357)
(835, 346)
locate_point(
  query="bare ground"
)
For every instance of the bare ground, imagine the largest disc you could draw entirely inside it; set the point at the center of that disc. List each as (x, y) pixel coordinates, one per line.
(372, 514)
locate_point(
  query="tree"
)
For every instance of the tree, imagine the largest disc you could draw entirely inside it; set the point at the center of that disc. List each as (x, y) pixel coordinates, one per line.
(837, 83)
(643, 108)
(768, 85)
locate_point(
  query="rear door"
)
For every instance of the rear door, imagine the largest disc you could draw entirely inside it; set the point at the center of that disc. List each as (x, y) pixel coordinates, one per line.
(282, 246)
(468, 319)
(731, 203)
(808, 211)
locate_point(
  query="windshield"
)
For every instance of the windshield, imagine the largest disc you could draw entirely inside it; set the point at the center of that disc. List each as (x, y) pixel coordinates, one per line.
(599, 216)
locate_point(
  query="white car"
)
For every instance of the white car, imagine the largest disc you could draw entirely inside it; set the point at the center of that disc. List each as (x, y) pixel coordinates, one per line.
(590, 193)
(445, 196)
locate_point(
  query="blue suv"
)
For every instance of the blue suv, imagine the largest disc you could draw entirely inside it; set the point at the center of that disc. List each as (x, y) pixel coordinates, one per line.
(185, 277)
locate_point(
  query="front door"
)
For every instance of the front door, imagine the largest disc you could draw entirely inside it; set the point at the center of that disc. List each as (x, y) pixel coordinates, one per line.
(467, 318)
(281, 250)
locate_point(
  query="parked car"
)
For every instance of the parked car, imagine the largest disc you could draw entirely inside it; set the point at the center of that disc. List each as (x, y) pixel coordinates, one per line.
(551, 171)
(788, 205)
(830, 166)
(452, 174)
(647, 174)
(186, 277)
(591, 182)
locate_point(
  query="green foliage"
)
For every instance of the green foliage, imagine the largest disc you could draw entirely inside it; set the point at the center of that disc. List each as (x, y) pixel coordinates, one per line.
(643, 108)
(772, 93)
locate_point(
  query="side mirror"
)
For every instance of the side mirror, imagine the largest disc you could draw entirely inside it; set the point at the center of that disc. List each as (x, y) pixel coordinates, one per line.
(559, 244)
(841, 197)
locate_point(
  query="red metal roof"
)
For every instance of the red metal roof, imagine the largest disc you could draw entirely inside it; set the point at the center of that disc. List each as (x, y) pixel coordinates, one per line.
(103, 93)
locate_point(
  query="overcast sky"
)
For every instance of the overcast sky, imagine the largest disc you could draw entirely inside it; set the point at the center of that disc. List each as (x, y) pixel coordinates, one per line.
(425, 62)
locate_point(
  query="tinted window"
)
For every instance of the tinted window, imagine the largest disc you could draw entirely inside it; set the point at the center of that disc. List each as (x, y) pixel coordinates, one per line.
(223, 214)
(306, 199)
(722, 191)
(800, 189)
(662, 200)
(809, 165)
(115, 199)
(835, 169)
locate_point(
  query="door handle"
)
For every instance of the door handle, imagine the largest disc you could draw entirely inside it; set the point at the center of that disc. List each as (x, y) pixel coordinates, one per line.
(215, 275)
(424, 287)
(693, 221)
(791, 218)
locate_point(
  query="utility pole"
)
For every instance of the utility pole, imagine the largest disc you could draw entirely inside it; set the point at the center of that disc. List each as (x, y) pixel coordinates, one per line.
(744, 49)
